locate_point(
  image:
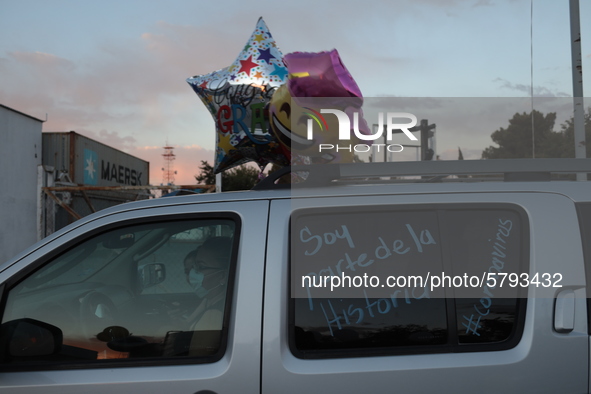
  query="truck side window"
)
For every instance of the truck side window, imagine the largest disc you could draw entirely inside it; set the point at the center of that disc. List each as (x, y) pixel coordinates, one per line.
(124, 294)
(403, 280)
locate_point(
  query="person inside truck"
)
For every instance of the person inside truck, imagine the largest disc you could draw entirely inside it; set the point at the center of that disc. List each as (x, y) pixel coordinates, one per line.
(206, 270)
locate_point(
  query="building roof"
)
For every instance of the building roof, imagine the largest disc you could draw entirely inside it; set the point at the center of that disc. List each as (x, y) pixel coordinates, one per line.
(22, 113)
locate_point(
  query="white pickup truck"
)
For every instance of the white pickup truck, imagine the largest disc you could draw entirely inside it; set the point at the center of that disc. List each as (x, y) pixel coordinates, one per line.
(357, 280)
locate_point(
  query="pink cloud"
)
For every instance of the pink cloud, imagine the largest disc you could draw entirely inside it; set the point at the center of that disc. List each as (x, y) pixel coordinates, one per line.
(40, 59)
(140, 148)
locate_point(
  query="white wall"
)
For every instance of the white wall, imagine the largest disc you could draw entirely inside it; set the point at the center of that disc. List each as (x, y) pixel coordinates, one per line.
(20, 154)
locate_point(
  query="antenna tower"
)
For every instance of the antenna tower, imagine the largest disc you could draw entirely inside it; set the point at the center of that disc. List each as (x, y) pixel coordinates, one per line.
(168, 172)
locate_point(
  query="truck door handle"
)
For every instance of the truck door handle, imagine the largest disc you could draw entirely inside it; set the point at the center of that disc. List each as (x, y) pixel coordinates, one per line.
(564, 311)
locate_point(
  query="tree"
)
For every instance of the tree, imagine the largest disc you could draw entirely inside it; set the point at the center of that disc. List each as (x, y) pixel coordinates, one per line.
(515, 142)
(206, 177)
(243, 177)
(568, 136)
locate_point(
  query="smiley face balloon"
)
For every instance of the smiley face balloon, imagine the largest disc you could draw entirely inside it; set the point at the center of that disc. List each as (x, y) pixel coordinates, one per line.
(316, 81)
(302, 130)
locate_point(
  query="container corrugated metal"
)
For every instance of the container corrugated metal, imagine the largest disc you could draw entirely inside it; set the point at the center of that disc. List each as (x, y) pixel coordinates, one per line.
(91, 163)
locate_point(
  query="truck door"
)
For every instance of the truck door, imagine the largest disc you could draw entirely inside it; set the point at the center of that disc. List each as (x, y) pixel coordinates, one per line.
(156, 300)
(382, 330)
(584, 211)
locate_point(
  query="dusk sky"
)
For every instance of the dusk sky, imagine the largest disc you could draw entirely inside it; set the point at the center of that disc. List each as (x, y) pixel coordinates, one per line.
(116, 71)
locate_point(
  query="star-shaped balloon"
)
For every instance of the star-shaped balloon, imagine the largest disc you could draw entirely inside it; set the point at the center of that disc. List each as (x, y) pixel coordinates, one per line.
(236, 97)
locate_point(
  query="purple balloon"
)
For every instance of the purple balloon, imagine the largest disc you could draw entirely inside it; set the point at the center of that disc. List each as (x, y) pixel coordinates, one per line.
(323, 74)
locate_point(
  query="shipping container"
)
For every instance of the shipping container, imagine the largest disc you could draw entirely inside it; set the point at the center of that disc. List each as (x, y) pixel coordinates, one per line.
(91, 163)
(82, 161)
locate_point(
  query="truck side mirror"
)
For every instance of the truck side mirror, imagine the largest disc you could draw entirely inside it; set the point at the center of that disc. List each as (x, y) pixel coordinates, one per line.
(24, 338)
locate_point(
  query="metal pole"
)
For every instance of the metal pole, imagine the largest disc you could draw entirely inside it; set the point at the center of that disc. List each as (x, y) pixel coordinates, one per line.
(374, 153)
(434, 145)
(40, 200)
(218, 182)
(424, 138)
(577, 72)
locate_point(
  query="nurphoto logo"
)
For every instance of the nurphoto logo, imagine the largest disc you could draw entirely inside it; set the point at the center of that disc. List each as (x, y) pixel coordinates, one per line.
(344, 124)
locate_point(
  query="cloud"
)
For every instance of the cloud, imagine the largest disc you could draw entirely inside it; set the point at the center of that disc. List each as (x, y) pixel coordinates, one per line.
(132, 87)
(147, 147)
(399, 103)
(392, 61)
(446, 4)
(441, 3)
(42, 60)
(114, 139)
(539, 91)
(194, 146)
(483, 3)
